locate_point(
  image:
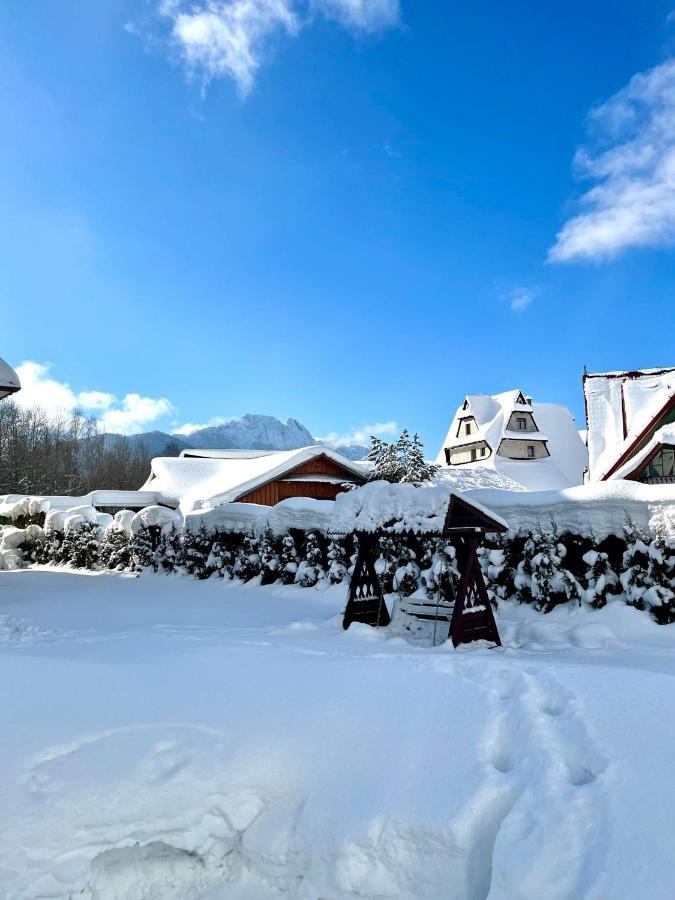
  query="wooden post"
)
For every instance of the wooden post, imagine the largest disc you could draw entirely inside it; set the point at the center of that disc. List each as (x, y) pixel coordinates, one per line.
(365, 601)
(472, 617)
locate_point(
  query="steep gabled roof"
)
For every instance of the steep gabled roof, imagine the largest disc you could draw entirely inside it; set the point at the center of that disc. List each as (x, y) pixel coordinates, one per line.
(212, 480)
(621, 410)
(555, 425)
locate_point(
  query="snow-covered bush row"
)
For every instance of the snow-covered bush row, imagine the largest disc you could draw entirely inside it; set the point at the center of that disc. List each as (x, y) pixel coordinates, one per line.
(541, 567)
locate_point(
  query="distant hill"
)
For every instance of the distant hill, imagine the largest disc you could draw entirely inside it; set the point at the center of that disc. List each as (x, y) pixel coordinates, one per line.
(249, 432)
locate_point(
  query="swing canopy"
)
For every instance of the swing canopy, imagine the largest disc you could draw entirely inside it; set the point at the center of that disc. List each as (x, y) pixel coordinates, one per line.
(383, 508)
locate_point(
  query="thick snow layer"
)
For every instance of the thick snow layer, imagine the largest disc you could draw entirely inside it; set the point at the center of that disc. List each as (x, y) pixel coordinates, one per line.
(208, 482)
(601, 508)
(395, 509)
(563, 468)
(170, 739)
(303, 513)
(162, 516)
(640, 396)
(15, 505)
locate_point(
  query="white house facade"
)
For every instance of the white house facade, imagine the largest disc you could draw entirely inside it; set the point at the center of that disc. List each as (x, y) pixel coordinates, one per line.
(537, 445)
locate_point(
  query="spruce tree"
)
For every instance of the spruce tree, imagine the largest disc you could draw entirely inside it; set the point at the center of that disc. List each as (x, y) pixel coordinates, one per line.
(441, 577)
(289, 559)
(337, 561)
(115, 550)
(270, 563)
(386, 563)
(142, 550)
(168, 550)
(407, 575)
(220, 560)
(311, 570)
(416, 469)
(247, 559)
(600, 580)
(84, 545)
(635, 578)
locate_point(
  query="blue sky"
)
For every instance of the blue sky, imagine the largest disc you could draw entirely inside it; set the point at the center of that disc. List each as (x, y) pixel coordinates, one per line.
(340, 210)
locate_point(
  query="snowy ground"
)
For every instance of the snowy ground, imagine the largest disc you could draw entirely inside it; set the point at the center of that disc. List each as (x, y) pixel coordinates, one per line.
(168, 739)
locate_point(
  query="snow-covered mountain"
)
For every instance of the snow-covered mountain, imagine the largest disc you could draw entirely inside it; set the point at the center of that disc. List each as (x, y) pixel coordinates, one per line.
(252, 432)
(248, 432)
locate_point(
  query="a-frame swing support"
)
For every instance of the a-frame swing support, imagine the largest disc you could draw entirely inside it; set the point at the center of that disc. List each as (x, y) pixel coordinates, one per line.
(472, 616)
(365, 601)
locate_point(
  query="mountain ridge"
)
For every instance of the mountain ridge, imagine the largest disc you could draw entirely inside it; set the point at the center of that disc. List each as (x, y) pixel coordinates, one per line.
(248, 432)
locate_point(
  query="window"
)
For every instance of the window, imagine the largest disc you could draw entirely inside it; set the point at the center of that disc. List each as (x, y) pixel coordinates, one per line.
(482, 451)
(467, 428)
(530, 451)
(473, 455)
(662, 466)
(447, 456)
(521, 423)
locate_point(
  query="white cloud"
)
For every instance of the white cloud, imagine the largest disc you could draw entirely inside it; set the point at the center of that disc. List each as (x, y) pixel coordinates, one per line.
(135, 413)
(228, 38)
(519, 298)
(631, 157)
(363, 15)
(361, 435)
(132, 413)
(188, 428)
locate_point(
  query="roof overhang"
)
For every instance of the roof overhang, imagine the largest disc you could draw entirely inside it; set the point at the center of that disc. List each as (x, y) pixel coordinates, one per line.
(9, 380)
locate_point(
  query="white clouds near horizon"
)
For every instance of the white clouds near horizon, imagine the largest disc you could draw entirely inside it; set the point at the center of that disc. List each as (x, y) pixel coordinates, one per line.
(631, 159)
(130, 414)
(360, 435)
(229, 38)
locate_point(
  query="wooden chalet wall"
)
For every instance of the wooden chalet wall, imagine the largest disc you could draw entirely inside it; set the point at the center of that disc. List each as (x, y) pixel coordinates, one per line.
(281, 489)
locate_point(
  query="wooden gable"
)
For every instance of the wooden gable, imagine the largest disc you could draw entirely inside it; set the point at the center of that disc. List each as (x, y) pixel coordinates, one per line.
(291, 484)
(464, 516)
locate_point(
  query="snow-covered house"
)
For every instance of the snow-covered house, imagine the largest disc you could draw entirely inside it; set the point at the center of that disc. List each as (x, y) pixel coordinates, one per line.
(631, 425)
(536, 445)
(203, 479)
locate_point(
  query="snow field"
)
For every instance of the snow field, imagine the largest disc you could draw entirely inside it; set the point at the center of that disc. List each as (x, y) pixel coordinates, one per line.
(170, 739)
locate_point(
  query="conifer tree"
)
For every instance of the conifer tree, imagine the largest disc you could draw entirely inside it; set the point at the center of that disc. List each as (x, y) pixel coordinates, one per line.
(407, 575)
(115, 550)
(311, 569)
(270, 563)
(635, 578)
(83, 545)
(220, 560)
(601, 582)
(386, 563)
(168, 550)
(337, 561)
(247, 559)
(142, 550)
(289, 559)
(441, 577)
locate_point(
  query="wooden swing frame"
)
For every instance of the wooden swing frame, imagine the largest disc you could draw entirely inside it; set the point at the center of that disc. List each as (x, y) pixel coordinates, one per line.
(472, 616)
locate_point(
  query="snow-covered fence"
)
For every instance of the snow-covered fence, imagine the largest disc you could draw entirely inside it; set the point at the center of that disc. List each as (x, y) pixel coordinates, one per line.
(586, 546)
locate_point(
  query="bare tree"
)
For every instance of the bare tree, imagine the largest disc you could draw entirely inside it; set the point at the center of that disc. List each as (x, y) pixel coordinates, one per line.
(62, 453)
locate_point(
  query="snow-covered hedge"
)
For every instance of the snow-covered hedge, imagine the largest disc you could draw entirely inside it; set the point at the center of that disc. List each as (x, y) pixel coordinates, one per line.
(542, 566)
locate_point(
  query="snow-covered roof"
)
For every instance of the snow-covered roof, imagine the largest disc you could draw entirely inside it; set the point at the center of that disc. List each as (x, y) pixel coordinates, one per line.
(601, 508)
(555, 425)
(398, 509)
(303, 513)
(9, 380)
(14, 505)
(619, 407)
(226, 454)
(205, 482)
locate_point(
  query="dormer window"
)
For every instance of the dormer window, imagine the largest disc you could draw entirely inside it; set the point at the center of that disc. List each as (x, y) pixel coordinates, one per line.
(530, 451)
(467, 428)
(521, 423)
